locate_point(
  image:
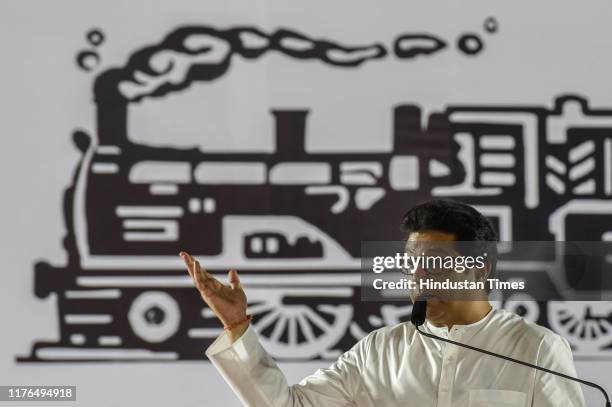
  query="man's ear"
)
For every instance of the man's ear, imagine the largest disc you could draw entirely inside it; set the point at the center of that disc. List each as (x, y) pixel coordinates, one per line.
(483, 273)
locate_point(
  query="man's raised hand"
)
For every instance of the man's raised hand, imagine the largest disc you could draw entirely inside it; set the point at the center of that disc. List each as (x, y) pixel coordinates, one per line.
(228, 302)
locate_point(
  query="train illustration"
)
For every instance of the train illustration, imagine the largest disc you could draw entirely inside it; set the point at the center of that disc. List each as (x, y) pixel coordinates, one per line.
(292, 223)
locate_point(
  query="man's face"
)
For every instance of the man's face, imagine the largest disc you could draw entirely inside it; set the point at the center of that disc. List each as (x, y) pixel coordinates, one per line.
(440, 311)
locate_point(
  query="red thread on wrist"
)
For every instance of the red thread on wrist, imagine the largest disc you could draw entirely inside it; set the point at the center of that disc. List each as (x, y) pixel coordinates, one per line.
(235, 324)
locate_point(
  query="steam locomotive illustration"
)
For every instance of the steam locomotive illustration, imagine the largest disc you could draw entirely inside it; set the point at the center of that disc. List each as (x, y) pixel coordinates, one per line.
(292, 223)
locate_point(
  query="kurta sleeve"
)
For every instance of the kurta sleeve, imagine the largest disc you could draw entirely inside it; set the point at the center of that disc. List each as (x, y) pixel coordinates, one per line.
(551, 390)
(256, 379)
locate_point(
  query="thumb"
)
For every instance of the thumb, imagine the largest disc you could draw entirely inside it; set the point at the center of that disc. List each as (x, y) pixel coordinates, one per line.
(233, 279)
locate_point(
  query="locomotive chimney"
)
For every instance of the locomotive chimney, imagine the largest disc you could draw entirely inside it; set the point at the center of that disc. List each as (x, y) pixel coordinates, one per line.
(410, 137)
(112, 123)
(406, 127)
(290, 132)
(111, 109)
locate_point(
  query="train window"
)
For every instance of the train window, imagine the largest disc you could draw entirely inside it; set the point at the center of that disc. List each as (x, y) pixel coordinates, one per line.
(300, 173)
(272, 245)
(257, 245)
(360, 173)
(160, 172)
(404, 172)
(231, 173)
(209, 205)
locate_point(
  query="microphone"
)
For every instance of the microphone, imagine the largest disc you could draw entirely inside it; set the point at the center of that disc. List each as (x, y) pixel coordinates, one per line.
(418, 318)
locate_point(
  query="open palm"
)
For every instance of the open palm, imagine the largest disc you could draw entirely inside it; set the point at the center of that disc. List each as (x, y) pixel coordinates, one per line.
(228, 302)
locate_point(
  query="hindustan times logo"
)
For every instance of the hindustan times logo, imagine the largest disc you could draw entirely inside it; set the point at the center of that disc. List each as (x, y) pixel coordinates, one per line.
(431, 284)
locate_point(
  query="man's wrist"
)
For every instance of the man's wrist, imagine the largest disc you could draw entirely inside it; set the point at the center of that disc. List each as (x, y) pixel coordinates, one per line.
(236, 332)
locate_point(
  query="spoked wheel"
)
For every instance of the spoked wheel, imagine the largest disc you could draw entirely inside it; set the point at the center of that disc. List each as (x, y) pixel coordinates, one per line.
(586, 325)
(381, 315)
(299, 331)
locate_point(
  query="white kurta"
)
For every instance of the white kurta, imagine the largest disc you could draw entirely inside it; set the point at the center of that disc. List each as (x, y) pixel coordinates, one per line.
(396, 366)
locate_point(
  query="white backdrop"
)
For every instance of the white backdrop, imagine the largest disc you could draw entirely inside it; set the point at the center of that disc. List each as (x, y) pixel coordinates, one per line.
(542, 49)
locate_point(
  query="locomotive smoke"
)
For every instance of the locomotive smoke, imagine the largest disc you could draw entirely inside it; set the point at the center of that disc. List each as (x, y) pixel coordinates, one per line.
(192, 54)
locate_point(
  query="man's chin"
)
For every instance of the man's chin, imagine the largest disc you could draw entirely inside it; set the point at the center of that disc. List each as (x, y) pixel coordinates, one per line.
(435, 309)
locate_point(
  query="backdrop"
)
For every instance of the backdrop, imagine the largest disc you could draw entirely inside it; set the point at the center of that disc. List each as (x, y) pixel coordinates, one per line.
(274, 137)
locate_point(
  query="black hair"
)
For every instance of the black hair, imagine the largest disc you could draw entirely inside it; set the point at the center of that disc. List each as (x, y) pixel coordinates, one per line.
(459, 219)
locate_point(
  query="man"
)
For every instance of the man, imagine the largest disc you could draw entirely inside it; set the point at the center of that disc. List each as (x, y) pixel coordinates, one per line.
(395, 365)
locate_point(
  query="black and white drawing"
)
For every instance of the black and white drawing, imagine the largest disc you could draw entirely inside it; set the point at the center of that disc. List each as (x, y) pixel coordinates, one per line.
(292, 221)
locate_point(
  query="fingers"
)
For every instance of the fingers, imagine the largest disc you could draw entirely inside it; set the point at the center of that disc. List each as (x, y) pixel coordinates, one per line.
(203, 280)
(200, 273)
(234, 280)
(188, 260)
(206, 279)
(193, 267)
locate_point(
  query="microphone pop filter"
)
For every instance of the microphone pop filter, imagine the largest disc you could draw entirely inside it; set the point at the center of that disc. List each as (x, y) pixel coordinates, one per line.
(418, 312)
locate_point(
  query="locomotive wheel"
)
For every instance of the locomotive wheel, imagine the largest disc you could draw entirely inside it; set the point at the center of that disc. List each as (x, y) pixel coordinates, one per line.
(382, 315)
(524, 305)
(586, 325)
(297, 331)
(154, 316)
